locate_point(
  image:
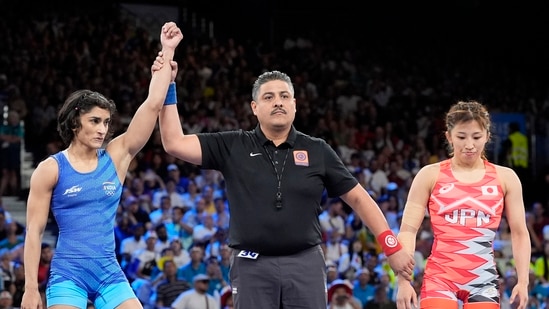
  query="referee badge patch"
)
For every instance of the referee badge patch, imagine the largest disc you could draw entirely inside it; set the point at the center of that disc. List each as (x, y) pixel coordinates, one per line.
(301, 157)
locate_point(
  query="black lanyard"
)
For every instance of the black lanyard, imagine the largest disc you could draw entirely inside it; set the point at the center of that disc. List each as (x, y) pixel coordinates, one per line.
(278, 202)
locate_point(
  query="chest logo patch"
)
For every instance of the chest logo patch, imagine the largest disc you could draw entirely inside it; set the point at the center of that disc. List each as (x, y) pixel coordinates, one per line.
(72, 191)
(109, 188)
(301, 157)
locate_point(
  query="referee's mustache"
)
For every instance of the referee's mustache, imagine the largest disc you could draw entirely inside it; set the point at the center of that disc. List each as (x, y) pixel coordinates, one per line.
(278, 110)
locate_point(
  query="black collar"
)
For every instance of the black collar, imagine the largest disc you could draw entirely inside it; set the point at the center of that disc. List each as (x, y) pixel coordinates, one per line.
(290, 141)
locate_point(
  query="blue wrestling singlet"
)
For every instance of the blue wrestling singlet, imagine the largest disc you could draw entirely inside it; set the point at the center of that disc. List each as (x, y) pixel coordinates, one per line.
(84, 206)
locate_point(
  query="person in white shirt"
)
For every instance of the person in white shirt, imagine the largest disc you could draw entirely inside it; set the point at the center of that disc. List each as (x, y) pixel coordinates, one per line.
(335, 247)
(131, 245)
(331, 218)
(146, 258)
(170, 191)
(163, 214)
(376, 177)
(202, 233)
(180, 256)
(196, 298)
(352, 261)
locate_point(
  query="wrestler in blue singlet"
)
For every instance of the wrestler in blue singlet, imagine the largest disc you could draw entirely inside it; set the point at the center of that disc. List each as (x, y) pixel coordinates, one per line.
(89, 201)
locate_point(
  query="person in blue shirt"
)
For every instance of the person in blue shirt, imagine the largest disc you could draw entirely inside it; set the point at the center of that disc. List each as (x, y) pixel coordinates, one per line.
(82, 185)
(196, 266)
(363, 289)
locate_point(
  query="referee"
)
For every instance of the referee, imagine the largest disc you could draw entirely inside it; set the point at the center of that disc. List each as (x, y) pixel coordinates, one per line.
(275, 177)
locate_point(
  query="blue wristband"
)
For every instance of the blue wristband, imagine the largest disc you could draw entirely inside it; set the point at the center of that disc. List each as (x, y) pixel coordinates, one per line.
(171, 96)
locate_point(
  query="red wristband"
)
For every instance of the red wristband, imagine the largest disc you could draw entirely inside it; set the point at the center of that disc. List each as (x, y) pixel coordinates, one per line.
(388, 242)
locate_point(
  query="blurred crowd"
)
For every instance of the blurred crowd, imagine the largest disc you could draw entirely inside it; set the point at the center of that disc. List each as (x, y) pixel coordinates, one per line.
(379, 107)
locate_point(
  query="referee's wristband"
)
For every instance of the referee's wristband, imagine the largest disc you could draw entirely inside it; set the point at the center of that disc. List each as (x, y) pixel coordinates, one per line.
(388, 242)
(171, 96)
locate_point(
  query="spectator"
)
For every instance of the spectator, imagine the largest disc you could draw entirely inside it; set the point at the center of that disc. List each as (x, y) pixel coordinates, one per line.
(130, 245)
(170, 287)
(541, 218)
(43, 116)
(216, 242)
(163, 239)
(226, 298)
(6, 300)
(180, 256)
(340, 296)
(372, 264)
(5, 215)
(208, 198)
(152, 182)
(197, 297)
(143, 267)
(536, 243)
(217, 282)
(17, 253)
(163, 214)
(515, 150)
(355, 229)
(333, 217)
(389, 206)
(174, 226)
(145, 259)
(352, 261)
(195, 267)
(12, 237)
(541, 266)
(191, 219)
(335, 246)
(204, 231)
(380, 300)
(123, 228)
(376, 177)
(191, 195)
(181, 182)
(7, 269)
(503, 239)
(17, 288)
(46, 255)
(225, 253)
(331, 273)
(222, 215)
(136, 213)
(363, 289)
(11, 140)
(137, 189)
(171, 192)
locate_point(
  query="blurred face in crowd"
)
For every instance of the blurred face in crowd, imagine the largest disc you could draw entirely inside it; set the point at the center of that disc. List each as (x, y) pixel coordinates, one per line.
(340, 296)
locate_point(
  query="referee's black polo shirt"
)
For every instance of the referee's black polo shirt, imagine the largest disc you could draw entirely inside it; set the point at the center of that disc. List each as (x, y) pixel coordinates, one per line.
(256, 223)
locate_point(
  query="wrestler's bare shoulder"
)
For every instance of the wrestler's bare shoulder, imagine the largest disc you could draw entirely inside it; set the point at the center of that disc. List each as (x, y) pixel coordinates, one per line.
(429, 170)
(504, 170)
(46, 169)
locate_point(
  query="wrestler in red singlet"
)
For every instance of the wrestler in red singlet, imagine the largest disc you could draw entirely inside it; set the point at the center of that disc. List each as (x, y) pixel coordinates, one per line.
(466, 197)
(464, 217)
